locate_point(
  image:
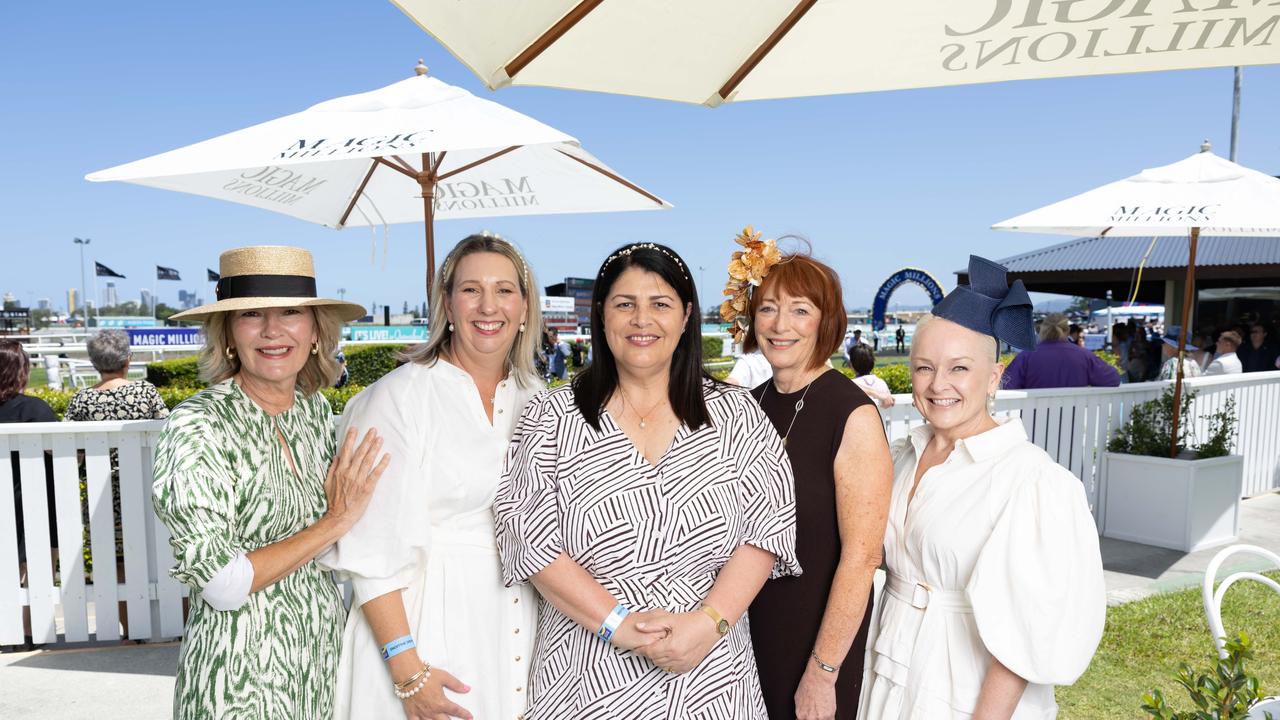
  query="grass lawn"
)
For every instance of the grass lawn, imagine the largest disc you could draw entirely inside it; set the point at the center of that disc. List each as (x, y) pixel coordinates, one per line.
(1145, 641)
(38, 378)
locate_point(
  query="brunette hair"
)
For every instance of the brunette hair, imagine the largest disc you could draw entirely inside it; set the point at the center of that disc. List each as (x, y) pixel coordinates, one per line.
(320, 371)
(14, 370)
(862, 359)
(595, 385)
(801, 275)
(520, 357)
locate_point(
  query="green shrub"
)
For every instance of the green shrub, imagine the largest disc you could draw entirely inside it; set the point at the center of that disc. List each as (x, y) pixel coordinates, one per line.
(1111, 359)
(181, 372)
(174, 394)
(1150, 425)
(897, 377)
(367, 363)
(1224, 692)
(57, 399)
(339, 397)
(712, 348)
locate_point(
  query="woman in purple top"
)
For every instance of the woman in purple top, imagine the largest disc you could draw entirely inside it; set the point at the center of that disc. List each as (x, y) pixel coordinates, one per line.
(1057, 362)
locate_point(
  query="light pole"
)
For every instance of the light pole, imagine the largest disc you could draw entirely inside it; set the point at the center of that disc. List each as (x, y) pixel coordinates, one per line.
(83, 314)
(342, 293)
(1107, 336)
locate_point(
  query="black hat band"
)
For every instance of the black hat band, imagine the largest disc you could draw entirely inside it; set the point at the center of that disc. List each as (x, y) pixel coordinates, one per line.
(248, 286)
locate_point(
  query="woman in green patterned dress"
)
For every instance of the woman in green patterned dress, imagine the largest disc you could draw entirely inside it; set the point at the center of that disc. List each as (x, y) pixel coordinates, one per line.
(245, 485)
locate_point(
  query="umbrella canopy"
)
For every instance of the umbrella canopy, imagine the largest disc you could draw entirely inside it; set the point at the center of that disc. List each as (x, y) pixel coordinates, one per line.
(416, 150)
(716, 51)
(1203, 193)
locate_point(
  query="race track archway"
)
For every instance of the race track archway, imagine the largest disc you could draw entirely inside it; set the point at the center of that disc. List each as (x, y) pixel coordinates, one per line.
(896, 280)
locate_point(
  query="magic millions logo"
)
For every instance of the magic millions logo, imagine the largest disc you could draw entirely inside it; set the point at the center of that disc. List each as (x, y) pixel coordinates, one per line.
(274, 184)
(995, 33)
(1161, 214)
(485, 194)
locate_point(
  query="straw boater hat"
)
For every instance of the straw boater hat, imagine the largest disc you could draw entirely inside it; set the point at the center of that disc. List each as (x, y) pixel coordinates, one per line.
(266, 276)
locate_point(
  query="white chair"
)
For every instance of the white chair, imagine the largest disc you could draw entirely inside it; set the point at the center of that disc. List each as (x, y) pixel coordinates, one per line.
(1213, 608)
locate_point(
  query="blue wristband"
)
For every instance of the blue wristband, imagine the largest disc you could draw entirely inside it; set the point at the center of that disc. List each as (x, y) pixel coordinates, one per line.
(397, 646)
(611, 623)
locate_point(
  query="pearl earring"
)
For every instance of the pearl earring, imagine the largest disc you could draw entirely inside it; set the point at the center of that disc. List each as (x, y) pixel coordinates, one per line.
(315, 348)
(521, 327)
(991, 404)
(450, 327)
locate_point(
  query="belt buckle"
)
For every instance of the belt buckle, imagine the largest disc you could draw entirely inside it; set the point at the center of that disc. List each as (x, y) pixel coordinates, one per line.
(920, 595)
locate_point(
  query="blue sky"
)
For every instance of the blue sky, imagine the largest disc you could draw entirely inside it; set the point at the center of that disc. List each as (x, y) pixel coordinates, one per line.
(876, 181)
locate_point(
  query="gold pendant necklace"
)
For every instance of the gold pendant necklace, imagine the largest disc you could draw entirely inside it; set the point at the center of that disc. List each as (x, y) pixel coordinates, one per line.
(627, 400)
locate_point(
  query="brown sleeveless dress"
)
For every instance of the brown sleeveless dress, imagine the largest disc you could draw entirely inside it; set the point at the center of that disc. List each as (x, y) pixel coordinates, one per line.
(787, 613)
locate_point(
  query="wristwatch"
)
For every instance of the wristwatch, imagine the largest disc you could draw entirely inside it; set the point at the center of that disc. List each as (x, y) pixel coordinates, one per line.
(722, 625)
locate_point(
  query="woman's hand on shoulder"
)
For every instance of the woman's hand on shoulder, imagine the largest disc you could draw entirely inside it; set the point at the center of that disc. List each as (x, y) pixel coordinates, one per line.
(352, 477)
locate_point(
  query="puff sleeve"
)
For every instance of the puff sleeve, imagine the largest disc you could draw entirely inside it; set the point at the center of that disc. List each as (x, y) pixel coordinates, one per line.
(767, 489)
(388, 546)
(526, 508)
(194, 495)
(1037, 589)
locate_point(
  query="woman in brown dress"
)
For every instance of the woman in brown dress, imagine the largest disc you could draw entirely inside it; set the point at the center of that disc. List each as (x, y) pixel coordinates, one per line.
(810, 631)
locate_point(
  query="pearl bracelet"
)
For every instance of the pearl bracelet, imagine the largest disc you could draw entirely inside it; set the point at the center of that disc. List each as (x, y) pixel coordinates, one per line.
(422, 676)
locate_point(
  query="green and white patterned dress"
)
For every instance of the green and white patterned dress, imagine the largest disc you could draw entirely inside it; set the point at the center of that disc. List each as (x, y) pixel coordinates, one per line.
(224, 486)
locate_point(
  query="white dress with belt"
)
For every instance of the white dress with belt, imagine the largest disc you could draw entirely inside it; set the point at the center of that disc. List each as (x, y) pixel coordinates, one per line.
(429, 531)
(996, 556)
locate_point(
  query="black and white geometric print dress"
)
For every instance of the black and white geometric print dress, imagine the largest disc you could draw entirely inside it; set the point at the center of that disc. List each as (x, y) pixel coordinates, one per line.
(654, 537)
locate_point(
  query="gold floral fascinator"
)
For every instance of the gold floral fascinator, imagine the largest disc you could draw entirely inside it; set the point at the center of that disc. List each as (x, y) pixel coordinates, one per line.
(747, 269)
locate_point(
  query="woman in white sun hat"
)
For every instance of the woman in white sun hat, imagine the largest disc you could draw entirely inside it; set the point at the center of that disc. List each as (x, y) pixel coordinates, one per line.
(248, 485)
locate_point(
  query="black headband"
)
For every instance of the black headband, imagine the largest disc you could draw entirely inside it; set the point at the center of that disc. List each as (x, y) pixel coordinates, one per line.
(242, 286)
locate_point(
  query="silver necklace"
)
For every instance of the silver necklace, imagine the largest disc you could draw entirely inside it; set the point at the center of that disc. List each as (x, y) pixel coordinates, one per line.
(799, 405)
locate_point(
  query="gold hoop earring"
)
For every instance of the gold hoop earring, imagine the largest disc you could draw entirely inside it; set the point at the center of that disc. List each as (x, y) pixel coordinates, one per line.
(315, 348)
(230, 352)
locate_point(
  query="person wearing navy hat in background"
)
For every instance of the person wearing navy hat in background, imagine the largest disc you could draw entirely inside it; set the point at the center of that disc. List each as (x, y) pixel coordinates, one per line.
(994, 591)
(1169, 351)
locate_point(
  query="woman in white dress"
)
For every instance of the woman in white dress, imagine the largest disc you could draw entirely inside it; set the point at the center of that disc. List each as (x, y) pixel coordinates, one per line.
(422, 560)
(994, 591)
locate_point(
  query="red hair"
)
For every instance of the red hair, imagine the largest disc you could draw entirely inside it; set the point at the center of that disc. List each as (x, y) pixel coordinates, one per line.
(804, 277)
(14, 369)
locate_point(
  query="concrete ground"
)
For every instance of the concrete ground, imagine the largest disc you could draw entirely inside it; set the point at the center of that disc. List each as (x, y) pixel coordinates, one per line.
(109, 681)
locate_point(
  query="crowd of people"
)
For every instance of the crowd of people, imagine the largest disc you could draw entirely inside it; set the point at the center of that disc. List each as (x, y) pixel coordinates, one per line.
(641, 541)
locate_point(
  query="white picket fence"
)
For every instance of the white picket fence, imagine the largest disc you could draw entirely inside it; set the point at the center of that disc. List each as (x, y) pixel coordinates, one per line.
(1073, 425)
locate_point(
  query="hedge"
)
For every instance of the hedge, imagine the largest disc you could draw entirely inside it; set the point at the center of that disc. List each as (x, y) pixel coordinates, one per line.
(367, 363)
(712, 348)
(181, 372)
(172, 396)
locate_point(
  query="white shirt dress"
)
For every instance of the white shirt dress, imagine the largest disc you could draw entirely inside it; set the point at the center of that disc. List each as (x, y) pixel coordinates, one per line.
(997, 556)
(429, 530)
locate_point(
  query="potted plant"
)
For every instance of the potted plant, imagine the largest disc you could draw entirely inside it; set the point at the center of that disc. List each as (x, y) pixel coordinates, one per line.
(1226, 691)
(1188, 502)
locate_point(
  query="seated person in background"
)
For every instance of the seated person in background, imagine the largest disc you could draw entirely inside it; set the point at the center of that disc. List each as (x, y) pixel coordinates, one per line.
(863, 361)
(1169, 350)
(1075, 333)
(1203, 352)
(1226, 362)
(750, 370)
(1259, 354)
(1057, 362)
(115, 397)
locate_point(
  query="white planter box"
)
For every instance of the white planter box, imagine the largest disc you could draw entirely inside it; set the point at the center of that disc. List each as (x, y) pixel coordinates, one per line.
(1184, 505)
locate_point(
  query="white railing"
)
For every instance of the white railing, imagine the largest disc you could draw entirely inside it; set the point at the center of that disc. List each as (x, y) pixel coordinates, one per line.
(1073, 425)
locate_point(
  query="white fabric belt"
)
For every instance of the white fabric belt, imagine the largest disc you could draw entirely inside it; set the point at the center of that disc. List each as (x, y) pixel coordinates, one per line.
(921, 595)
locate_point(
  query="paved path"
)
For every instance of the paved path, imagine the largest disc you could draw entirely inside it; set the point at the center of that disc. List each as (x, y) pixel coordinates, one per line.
(136, 681)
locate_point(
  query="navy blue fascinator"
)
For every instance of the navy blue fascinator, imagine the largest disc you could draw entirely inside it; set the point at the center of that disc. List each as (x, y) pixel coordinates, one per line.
(989, 305)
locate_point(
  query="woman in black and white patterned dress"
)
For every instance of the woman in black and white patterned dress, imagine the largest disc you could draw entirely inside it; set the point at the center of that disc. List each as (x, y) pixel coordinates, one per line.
(648, 504)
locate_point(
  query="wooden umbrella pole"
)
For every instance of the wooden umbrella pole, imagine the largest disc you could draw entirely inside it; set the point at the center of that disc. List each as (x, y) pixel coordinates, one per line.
(427, 181)
(1188, 296)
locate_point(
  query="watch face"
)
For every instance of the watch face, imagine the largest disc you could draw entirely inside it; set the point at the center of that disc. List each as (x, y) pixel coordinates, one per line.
(723, 627)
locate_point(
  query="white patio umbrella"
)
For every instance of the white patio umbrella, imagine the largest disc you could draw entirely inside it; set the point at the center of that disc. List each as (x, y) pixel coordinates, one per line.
(716, 51)
(1201, 194)
(417, 150)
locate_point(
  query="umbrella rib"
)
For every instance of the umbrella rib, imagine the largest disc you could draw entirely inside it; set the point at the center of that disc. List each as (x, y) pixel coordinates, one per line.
(613, 177)
(359, 191)
(481, 161)
(405, 164)
(548, 38)
(396, 167)
(765, 48)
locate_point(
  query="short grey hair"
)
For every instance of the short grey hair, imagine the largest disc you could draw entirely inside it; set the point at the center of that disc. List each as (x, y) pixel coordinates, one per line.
(109, 350)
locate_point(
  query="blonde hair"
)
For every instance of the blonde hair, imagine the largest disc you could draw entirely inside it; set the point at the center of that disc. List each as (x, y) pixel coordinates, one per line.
(520, 357)
(1054, 327)
(321, 370)
(990, 343)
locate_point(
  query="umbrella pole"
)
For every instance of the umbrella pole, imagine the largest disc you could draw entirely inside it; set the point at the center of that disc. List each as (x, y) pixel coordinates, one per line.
(427, 180)
(1188, 296)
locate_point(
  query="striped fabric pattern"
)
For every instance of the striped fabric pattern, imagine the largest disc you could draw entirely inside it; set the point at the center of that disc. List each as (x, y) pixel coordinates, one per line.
(653, 536)
(223, 486)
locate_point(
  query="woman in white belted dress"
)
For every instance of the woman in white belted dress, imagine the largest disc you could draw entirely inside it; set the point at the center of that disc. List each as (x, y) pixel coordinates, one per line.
(994, 591)
(432, 631)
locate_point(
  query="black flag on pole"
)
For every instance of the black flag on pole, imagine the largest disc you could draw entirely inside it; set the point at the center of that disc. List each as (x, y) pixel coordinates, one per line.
(164, 273)
(213, 276)
(103, 271)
